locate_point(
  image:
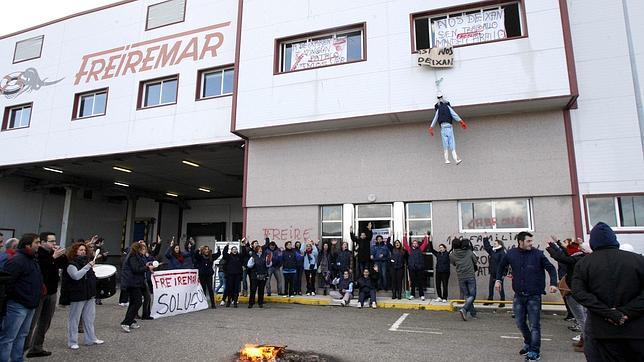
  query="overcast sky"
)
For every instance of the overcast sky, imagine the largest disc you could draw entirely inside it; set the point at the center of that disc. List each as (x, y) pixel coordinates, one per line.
(21, 14)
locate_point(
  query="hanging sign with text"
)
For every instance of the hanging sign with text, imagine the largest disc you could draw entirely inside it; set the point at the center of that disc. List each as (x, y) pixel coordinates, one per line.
(436, 57)
(177, 292)
(483, 26)
(318, 53)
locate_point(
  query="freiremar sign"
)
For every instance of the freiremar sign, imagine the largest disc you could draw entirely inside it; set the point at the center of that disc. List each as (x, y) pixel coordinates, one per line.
(151, 54)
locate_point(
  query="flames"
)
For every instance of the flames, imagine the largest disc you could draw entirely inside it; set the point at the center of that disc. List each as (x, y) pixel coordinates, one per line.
(260, 353)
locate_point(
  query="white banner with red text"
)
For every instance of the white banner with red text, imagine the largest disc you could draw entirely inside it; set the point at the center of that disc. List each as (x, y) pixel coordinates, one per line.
(176, 292)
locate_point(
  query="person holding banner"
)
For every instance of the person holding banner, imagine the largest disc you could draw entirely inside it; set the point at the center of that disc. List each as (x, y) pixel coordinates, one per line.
(79, 289)
(258, 264)
(133, 276)
(233, 275)
(444, 116)
(204, 260)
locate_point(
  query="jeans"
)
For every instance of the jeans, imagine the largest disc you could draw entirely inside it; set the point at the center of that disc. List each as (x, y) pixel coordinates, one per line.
(147, 302)
(397, 285)
(206, 286)
(528, 307)
(298, 280)
(289, 283)
(417, 282)
(382, 274)
(15, 327)
(222, 282)
(442, 284)
(447, 136)
(136, 301)
(310, 280)
(468, 288)
(86, 309)
(578, 311)
(371, 294)
(256, 286)
(277, 272)
(244, 280)
(40, 323)
(491, 288)
(231, 293)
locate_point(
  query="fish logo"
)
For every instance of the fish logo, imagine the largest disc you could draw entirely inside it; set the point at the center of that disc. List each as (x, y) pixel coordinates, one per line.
(14, 84)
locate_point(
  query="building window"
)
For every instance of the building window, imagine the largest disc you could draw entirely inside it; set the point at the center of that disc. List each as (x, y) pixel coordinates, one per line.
(17, 117)
(418, 220)
(90, 104)
(28, 49)
(493, 215)
(380, 216)
(158, 92)
(213, 83)
(165, 13)
(476, 25)
(320, 49)
(332, 222)
(620, 212)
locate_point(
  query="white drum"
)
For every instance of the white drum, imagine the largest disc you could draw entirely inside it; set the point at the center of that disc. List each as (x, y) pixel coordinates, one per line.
(106, 280)
(103, 271)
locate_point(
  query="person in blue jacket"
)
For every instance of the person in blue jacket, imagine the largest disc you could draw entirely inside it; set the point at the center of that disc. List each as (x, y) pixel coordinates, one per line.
(496, 253)
(310, 254)
(177, 259)
(380, 256)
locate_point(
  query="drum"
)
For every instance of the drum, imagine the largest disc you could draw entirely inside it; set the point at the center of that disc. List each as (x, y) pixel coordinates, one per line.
(105, 280)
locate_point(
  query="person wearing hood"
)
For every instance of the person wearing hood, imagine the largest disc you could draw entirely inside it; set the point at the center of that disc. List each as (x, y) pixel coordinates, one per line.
(466, 266)
(528, 282)
(24, 289)
(610, 283)
(496, 253)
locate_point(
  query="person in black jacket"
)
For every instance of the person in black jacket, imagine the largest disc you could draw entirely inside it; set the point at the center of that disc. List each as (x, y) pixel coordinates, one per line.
(23, 290)
(363, 246)
(204, 260)
(398, 262)
(496, 253)
(233, 275)
(133, 278)
(343, 261)
(51, 258)
(442, 271)
(367, 285)
(79, 288)
(610, 283)
(289, 268)
(258, 265)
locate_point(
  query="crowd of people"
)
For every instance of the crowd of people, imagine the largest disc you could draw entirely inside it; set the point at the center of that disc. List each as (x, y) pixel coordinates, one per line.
(602, 286)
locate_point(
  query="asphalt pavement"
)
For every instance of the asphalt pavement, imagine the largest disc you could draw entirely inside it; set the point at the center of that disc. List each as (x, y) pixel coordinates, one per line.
(345, 334)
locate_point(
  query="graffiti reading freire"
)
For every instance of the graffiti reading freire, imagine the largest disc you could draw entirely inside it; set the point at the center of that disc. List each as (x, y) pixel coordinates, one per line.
(14, 84)
(151, 54)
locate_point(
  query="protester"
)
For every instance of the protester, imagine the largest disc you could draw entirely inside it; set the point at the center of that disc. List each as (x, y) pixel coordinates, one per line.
(177, 259)
(442, 271)
(466, 265)
(398, 261)
(221, 277)
(234, 271)
(325, 266)
(300, 268)
(275, 269)
(79, 289)
(416, 265)
(51, 259)
(569, 253)
(310, 253)
(610, 283)
(496, 253)
(344, 285)
(289, 269)
(204, 260)
(245, 252)
(190, 246)
(1, 242)
(9, 251)
(363, 247)
(528, 282)
(380, 256)
(367, 284)
(133, 271)
(344, 260)
(258, 265)
(23, 290)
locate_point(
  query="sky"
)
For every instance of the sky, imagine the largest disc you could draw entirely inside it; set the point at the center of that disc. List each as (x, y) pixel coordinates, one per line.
(28, 13)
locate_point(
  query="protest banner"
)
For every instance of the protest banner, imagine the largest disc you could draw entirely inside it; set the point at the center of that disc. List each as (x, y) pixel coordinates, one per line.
(436, 57)
(318, 53)
(385, 232)
(176, 292)
(473, 28)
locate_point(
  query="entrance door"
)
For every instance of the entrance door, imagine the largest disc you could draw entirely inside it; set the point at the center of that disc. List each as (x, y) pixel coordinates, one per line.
(418, 216)
(380, 216)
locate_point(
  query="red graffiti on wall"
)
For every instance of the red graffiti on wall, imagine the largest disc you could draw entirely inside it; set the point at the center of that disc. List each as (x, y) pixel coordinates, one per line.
(289, 233)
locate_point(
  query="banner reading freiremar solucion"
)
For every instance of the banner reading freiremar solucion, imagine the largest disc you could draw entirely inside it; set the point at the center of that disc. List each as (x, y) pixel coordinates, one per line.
(177, 292)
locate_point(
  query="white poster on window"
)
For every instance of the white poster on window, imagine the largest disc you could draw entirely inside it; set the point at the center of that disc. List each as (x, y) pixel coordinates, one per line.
(382, 232)
(318, 53)
(177, 292)
(470, 28)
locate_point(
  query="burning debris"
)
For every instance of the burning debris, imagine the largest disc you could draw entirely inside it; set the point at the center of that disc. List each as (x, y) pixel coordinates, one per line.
(270, 353)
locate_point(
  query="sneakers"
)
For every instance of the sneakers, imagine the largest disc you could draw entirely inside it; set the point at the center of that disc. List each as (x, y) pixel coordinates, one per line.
(124, 304)
(422, 298)
(125, 328)
(135, 326)
(308, 294)
(444, 300)
(286, 296)
(576, 338)
(523, 351)
(502, 305)
(373, 305)
(98, 341)
(463, 314)
(313, 294)
(360, 306)
(411, 297)
(222, 303)
(575, 328)
(38, 354)
(74, 346)
(532, 356)
(458, 161)
(437, 300)
(343, 303)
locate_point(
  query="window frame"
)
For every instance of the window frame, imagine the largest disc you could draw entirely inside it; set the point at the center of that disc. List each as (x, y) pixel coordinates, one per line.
(147, 15)
(7, 116)
(483, 5)
(340, 221)
(530, 218)
(280, 42)
(201, 75)
(616, 229)
(407, 218)
(80, 95)
(142, 92)
(28, 59)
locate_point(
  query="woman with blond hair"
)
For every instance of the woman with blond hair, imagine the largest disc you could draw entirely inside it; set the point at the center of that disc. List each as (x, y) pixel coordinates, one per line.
(78, 289)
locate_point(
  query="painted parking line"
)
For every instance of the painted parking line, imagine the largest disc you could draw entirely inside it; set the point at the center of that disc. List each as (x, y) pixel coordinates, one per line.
(517, 337)
(397, 323)
(396, 327)
(416, 331)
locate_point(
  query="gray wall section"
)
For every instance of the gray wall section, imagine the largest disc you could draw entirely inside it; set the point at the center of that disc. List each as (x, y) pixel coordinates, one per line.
(511, 155)
(283, 223)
